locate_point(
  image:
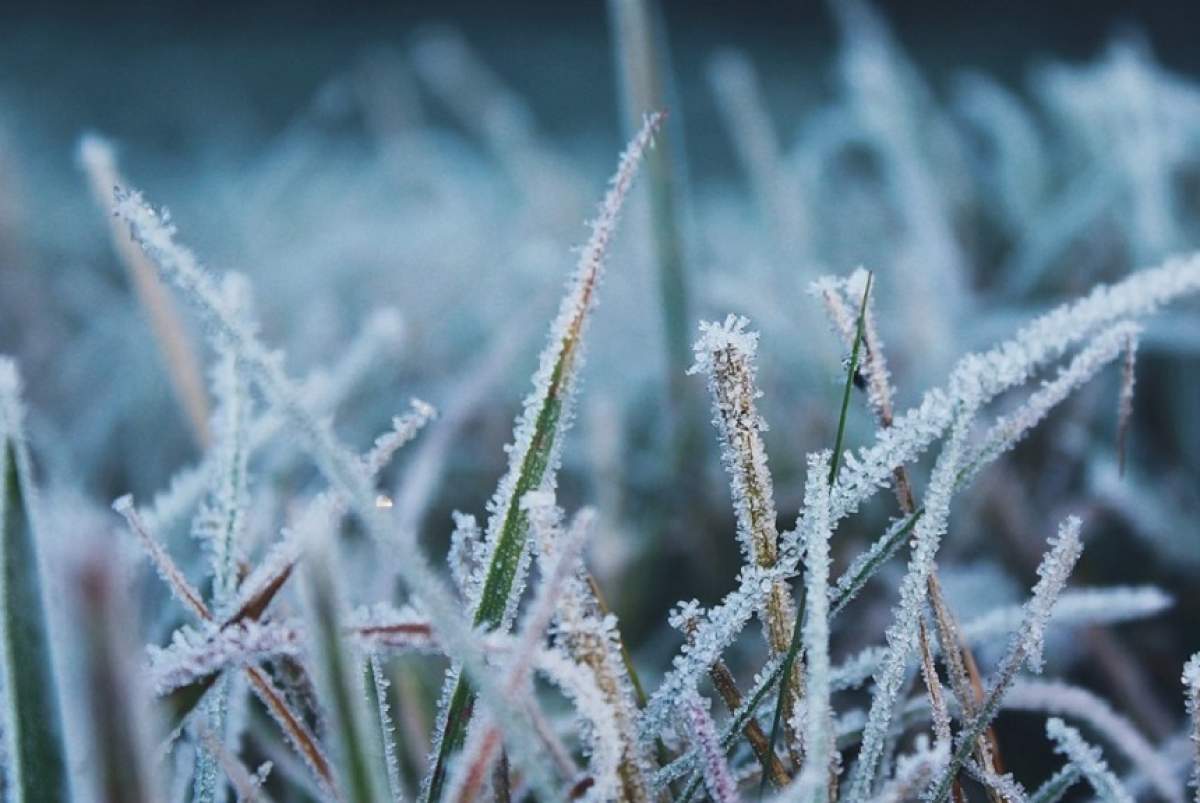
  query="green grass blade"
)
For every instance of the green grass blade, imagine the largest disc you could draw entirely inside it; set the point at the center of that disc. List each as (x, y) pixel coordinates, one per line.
(359, 770)
(794, 646)
(35, 767)
(539, 436)
(643, 66)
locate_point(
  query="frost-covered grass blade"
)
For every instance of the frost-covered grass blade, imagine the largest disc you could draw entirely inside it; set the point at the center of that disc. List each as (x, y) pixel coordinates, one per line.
(32, 727)
(538, 443)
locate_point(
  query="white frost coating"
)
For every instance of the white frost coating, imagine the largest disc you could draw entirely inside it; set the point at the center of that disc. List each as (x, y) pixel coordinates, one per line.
(841, 298)
(902, 634)
(466, 556)
(271, 570)
(1009, 789)
(341, 468)
(819, 743)
(1055, 697)
(1191, 686)
(221, 521)
(1093, 606)
(321, 392)
(559, 361)
(195, 654)
(1082, 606)
(590, 637)
(913, 771)
(1053, 572)
(1009, 429)
(1089, 759)
(404, 429)
(386, 729)
(717, 778)
(163, 564)
(1024, 647)
(483, 741)
(978, 378)
(726, 354)
(711, 638)
(601, 731)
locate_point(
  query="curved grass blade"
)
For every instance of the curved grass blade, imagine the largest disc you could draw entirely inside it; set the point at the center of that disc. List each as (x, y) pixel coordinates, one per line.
(35, 766)
(797, 628)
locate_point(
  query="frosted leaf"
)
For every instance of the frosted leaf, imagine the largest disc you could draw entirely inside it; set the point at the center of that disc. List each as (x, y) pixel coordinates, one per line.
(1075, 608)
(341, 468)
(466, 556)
(193, 655)
(1089, 759)
(1025, 645)
(1003, 784)
(1090, 606)
(1057, 784)
(902, 634)
(263, 583)
(726, 354)
(163, 564)
(978, 378)
(819, 744)
(1125, 399)
(224, 525)
(717, 778)
(387, 729)
(586, 634)
(404, 429)
(1053, 572)
(1055, 697)
(710, 639)
(913, 771)
(1009, 429)
(536, 448)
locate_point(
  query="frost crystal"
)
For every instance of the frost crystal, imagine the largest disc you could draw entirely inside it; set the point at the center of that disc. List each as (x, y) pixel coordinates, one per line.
(1053, 572)
(1090, 761)
(818, 716)
(193, 655)
(720, 783)
(1054, 697)
(902, 634)
(726, 353)
(978, 378)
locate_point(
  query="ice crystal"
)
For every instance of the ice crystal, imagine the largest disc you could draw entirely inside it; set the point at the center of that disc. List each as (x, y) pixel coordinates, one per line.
(1089, 759)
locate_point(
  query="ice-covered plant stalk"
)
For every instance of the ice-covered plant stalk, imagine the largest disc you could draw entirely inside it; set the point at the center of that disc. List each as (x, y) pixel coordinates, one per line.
(178, 351)
(34, 766)
(534, 455)
(1025, 647)
(589, 636)
(1089, 760)
(726, 353)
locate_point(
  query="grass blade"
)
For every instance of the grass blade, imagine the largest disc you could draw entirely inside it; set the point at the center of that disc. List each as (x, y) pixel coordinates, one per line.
(35, 766)
(340, 681)
(538, 440)
(797, 628)
(122, 765)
